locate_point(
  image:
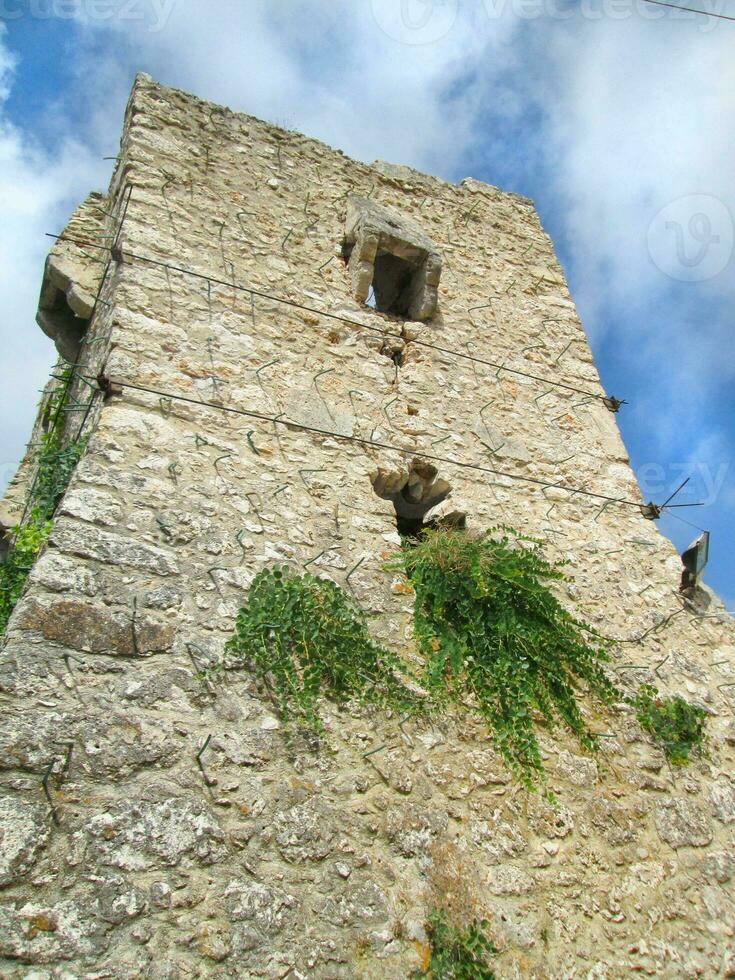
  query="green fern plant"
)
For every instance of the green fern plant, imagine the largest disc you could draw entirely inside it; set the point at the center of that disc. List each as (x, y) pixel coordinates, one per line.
(676, 724)
(305, 638)
(491, 628)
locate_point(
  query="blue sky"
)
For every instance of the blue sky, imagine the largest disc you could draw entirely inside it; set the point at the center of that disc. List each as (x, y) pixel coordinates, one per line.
(616, 117)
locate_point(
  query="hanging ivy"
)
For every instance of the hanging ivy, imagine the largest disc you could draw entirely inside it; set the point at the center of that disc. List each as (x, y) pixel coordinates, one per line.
(494, 633)
(305, 637)
(56, 463)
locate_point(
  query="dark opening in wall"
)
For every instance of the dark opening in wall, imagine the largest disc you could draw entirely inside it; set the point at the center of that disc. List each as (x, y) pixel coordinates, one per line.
(58, 321)
(5, 537)
(414, 493)
(396, 281)
(393, 284)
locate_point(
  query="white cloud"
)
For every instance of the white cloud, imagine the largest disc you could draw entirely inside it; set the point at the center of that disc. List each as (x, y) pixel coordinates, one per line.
(330, 68)
(640, 115)
(37, 191)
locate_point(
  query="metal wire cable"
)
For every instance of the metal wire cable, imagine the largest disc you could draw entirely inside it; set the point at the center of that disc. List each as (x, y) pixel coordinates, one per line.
(336, 316)
(691, 10)
(403, 450)
(683, 520)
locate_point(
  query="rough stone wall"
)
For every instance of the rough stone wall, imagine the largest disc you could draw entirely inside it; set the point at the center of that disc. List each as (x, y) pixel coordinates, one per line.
(275, 861)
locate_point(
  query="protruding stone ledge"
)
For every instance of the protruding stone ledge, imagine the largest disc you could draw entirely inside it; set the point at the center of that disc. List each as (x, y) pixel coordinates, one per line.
(71, 279)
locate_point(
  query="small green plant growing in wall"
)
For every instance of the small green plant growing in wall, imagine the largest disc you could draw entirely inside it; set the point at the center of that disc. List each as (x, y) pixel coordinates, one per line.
(676, 724)
(55, 464)
(492, 630)
(28, 541)
(305, 638)
(456, 953)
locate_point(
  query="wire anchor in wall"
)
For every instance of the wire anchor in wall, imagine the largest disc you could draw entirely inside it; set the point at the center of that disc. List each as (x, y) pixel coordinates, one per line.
(47, 776)
(110, 389)
(652, 511)
(208, 780)
(613, 404)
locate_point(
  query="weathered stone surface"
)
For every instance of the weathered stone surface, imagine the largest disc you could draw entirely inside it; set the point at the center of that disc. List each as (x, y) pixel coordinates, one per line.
(58, 573)
(88, 542)
(683, 823)
(722, 795)
(358, 903)
(94, 628)
(616, 822)
(304, 832)
(577, 769)
(38, 933)
(24, 831)
(719, 867)
(510, 880)
(266, 909)
(118, 900)
(136, 836)
(93, 506)
(499, 841)
(413, 828)
(550, 821)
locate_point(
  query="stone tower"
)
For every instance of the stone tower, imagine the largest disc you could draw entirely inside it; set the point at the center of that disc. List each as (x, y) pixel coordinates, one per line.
(298, 355)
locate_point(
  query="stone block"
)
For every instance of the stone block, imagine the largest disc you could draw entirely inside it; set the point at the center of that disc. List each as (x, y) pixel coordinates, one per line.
(683, 823)
(24, 832)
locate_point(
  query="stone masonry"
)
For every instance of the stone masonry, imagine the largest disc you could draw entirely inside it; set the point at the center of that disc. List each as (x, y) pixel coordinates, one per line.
(260, 857)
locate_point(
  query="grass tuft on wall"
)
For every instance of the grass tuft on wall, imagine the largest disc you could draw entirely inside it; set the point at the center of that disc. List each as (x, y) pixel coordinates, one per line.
(457, 953)
(679, 727)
